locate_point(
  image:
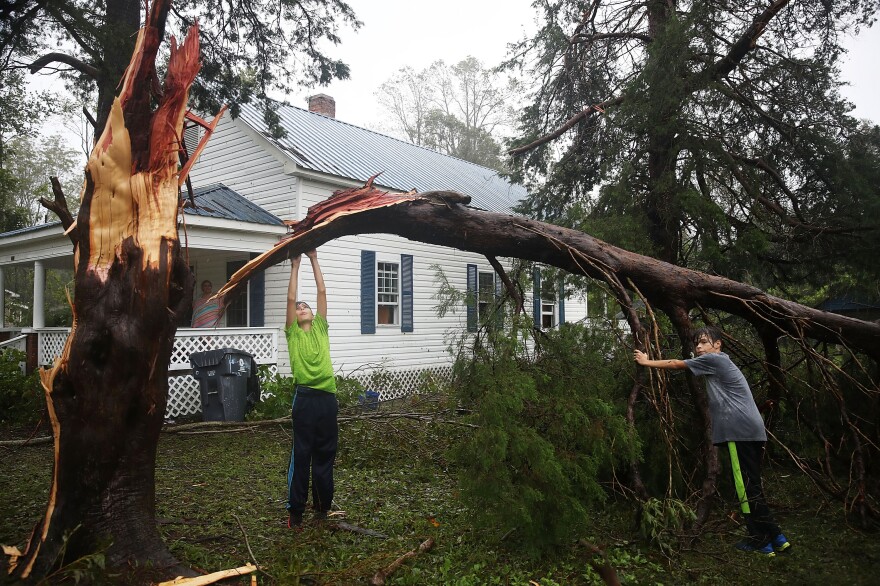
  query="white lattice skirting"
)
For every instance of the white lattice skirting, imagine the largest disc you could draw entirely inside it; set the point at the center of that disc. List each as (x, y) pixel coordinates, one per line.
(394, 384)
(184, 397)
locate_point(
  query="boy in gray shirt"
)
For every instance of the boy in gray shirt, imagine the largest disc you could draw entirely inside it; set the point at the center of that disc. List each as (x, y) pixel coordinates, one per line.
(736, 426)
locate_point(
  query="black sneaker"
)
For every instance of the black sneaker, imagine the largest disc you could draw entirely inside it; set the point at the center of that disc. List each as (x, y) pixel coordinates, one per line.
(295, 521)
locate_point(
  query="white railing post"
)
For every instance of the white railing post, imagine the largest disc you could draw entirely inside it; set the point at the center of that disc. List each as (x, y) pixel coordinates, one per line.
(39, 309)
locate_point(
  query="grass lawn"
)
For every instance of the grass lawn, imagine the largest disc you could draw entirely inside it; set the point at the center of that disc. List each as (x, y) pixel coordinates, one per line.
(393, 478)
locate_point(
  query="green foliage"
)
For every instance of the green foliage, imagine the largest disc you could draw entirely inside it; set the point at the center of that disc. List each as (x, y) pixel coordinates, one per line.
(548, 432)
(277, 392)
(661, 521)
(21, 396)
(277, 396)
(19, 307)
(347, 391)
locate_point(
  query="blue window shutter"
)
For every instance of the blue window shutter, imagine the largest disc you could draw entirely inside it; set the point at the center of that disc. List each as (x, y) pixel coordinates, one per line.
(368, 292)
(536, 296)
(406, 293)
(258, 298)
(472, 298)
(561, 300)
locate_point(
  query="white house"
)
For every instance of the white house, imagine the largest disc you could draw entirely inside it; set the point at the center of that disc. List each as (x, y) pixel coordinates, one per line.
(381, 288)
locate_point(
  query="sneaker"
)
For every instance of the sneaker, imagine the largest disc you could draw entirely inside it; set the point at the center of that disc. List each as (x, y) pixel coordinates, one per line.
(765, 550)
(780, 544)
(320, 515)
(295, 521)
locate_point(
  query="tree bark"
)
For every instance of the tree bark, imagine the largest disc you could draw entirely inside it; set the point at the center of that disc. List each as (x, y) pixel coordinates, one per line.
(444, 219)
(106, 393)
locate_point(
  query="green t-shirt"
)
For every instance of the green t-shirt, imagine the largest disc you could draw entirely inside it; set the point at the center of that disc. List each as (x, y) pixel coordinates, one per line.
(310, 355)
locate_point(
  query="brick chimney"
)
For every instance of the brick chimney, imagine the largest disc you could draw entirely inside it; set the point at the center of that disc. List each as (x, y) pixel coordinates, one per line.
(322, 104)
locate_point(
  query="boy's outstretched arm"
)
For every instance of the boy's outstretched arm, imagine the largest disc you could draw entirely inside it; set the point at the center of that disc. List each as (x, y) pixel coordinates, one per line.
(319, 284)
(642, 358)
(292, 287)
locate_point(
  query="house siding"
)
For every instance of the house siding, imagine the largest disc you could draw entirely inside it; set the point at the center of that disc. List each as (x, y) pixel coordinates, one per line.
(247, 162)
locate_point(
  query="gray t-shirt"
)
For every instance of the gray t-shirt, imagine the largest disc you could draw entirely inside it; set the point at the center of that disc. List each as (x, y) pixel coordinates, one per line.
(735, 417)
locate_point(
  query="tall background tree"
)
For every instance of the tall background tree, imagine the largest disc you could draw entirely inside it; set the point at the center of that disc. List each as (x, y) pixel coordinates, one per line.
(712, 135)
(250, 47)
(461, 110)
(708, 134)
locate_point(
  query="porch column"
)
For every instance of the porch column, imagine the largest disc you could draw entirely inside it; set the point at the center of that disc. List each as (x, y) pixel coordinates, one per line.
(2, 300)
(39, 295)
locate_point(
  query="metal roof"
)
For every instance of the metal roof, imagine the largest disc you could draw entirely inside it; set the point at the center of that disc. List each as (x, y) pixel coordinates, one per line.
(327, 145)
(212, 201)
(218, 201)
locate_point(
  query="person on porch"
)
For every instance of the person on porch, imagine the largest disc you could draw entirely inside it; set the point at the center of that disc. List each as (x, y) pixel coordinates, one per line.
(206, 311)
(314, 408)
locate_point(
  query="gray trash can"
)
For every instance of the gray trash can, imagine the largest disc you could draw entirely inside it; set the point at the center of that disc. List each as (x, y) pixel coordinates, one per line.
(227, 378)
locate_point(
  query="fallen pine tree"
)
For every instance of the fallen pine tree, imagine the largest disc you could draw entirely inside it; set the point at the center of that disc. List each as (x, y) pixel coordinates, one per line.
(444, 218)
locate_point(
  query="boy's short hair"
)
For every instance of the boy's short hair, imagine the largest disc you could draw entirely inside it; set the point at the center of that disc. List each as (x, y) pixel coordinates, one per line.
(712, 333)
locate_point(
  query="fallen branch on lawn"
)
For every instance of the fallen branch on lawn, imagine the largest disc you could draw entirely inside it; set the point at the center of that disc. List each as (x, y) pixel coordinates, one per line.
(342, 525)
(381, 575)
(211, 578)
(234, 426)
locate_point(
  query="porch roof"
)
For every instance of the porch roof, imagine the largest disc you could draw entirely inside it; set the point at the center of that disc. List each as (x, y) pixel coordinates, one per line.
(212, 201)
(217, 208)
(218, 201)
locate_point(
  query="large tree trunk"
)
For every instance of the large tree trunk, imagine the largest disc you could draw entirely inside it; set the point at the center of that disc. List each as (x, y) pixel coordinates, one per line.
(107, 392)
(441, 218)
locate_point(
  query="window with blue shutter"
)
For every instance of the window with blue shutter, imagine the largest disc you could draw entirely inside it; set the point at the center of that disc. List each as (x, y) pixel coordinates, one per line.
(406, 293)
(368, 292)
(472, 298)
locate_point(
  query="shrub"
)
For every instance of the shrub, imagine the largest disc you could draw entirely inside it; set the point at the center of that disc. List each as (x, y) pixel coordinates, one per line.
(547, 431)
(21, 395)
(277, 395)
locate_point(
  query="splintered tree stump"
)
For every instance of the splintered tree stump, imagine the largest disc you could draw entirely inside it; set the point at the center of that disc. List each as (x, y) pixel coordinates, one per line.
(106, 393)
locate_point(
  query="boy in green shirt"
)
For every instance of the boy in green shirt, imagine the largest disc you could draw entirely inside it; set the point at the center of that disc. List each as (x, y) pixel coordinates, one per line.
(314, 409)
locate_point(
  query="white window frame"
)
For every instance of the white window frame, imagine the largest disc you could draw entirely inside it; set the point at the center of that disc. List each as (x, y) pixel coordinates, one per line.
(545, 313)
(483, 311)
(380, 291)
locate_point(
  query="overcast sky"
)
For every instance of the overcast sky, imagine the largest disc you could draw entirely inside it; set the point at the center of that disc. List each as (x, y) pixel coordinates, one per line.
(399, 33)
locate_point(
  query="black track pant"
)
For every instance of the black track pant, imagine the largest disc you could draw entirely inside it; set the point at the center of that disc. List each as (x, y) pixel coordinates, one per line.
(315, 437)
(745, 464)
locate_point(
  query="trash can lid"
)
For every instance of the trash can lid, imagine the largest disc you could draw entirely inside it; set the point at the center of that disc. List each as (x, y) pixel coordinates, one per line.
(213, 357)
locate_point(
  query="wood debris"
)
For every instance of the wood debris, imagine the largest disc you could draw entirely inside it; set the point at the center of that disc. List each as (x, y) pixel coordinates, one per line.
(211, 578)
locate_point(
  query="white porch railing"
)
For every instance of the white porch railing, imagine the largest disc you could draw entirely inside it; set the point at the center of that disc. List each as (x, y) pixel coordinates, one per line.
(183, 389)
